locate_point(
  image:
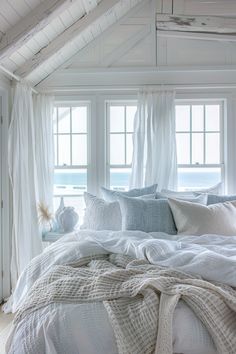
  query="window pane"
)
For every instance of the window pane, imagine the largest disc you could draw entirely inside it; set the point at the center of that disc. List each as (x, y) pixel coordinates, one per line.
(182, 118)
(76, 202)
(129, 148)
(79, 119)
(212, 117)
(213, 148)
(119, 178)
(130, 114)
(55, 150)
(117, 119)
(63, 120)
(79, 150)
(197, 118)
(183, 148)
(70, 181)
(198, 178)
(117, 149)
(197, 148)
(63, 150)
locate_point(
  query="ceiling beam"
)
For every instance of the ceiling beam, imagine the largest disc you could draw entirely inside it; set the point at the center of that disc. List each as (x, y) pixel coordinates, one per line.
(31, 24)
(65, 37)
(197, 36)
(202, 24)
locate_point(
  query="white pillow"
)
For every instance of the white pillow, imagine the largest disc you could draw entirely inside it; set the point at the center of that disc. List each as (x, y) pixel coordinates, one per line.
(174, 194)
(101, 215)
(111, 195)
(197, 219)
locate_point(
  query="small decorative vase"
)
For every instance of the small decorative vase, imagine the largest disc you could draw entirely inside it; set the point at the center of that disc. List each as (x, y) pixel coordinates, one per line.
(68, 219)
(59, 210)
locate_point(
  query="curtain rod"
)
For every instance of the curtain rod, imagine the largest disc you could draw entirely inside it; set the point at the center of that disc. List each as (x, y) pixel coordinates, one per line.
(13, 76)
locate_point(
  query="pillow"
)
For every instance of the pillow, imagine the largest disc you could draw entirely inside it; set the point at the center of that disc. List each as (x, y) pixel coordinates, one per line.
(110, 195)
(214, 199)
(174, 194)
(196, 219)
(148, 215)
(101, 215)
(200, 199)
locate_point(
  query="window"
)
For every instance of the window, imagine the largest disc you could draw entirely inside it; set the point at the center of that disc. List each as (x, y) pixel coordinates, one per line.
(71, 154)
(199, 138)
(120, 127)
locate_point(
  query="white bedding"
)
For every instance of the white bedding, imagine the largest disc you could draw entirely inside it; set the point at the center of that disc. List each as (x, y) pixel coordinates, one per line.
(85, 328)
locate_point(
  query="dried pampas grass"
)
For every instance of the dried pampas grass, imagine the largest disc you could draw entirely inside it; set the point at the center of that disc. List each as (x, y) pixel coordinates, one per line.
(44, 214)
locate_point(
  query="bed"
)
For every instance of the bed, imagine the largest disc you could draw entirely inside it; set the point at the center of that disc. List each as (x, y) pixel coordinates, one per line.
(58, 326)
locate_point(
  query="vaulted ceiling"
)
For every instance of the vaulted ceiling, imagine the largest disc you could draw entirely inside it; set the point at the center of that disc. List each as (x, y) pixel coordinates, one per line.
(38, 36)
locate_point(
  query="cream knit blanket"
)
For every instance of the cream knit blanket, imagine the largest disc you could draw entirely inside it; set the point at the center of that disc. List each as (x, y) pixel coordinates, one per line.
(140, 299)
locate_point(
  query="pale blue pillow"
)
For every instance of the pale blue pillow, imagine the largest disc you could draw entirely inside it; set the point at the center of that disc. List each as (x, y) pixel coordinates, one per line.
(199, 199)
(214, 199)
(148, 215)
(110, 195)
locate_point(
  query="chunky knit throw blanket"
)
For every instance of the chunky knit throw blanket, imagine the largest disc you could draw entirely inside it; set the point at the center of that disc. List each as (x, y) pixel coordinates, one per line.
(140, 299)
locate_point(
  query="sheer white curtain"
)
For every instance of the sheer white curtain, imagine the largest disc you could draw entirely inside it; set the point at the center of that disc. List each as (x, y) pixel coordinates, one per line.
(31, 172)
(154, 156)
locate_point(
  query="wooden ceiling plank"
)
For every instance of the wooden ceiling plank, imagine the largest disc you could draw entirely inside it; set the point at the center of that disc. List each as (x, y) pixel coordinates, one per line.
(31, 24)
(65, 37)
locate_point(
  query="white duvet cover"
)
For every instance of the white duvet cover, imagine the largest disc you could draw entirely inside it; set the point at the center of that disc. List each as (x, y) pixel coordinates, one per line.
(85, 328)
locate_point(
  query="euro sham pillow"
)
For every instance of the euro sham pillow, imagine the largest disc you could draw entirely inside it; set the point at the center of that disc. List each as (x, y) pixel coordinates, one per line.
(195, 219)
(191, 194)
(101, 215)
(111, 195)
(200, 199)
(148, 215)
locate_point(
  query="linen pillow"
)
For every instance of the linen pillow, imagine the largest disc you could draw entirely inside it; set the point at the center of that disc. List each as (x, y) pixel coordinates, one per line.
(200, 199)
(173, 194)
(148, 215)
(196, 219)
(101, 215)
(214, 199)
(110, 195)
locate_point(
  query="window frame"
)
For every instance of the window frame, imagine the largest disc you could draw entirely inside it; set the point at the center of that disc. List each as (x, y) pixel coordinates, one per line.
(204, 102)
(71, 104)
(108, 103)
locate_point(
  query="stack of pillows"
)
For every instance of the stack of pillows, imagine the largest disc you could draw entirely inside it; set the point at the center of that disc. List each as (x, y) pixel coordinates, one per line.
(144, 209)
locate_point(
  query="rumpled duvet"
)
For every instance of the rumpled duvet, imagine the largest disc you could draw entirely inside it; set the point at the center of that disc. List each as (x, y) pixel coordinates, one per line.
(210, 257)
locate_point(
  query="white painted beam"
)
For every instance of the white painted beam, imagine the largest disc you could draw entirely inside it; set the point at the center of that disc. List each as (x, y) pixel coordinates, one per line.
(197, 36)
(65, 37)
(203, 24)
(28, 26)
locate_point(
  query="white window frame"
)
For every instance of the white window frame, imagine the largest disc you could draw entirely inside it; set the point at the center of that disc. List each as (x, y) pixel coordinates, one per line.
(205, 102)
(108, 104)
(71, 104)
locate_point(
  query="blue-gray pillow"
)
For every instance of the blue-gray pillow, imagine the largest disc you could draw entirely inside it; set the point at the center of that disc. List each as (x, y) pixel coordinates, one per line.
(110, 195)
(199, 199)
(150, 215)
(214, 199)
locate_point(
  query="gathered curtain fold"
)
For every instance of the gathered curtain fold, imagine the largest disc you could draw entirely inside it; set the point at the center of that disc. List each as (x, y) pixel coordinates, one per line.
(154, 140)
(31, 172)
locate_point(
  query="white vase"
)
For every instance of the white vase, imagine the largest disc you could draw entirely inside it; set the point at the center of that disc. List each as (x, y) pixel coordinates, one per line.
(59, 210)
(68, 219)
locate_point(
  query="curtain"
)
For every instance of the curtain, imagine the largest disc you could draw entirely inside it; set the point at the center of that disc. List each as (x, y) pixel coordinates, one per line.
(31, 172)
(154, 154)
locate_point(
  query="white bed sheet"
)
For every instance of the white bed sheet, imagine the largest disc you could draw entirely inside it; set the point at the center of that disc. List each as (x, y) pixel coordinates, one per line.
(85, 328)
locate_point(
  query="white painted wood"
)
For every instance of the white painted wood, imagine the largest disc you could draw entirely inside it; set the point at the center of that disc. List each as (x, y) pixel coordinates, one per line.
(197, 36)
(35, 21)
(66, 37)
(167, 6)
(205, 7)
(126, 46)
(212, 24)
